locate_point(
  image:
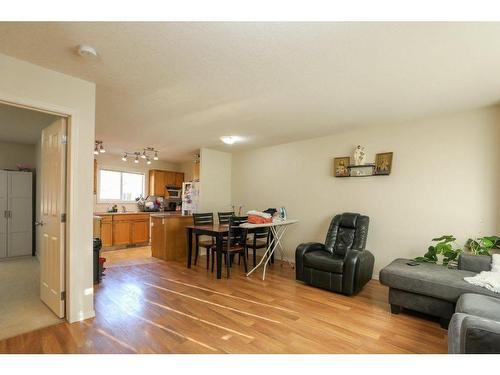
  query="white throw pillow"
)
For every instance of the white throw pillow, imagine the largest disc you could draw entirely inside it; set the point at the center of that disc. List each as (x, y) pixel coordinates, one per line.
(495, 263)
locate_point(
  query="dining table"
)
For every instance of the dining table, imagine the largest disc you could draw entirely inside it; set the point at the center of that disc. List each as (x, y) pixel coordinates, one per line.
(216, 231)
(219, 231)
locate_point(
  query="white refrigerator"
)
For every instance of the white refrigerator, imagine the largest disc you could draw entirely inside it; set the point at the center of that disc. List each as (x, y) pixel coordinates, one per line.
(190, 197)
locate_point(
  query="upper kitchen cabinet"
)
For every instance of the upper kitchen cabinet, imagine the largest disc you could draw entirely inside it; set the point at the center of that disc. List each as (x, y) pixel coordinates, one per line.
(159, 179)
(170, 178)
(156, 182)
(179, 179)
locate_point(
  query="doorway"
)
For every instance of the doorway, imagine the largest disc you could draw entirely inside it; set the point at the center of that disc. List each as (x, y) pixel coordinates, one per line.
(32, 219)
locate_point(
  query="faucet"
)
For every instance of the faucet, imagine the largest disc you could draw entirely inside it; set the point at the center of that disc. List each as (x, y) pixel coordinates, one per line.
(124, 209)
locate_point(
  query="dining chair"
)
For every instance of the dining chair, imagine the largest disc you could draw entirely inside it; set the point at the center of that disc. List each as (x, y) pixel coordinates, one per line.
(260, 240)
(224, 217)
(235, 244)
(203, 219)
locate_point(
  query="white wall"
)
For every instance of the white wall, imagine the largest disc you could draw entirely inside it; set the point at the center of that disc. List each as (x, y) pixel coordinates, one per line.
(31, 85)
(445, 180)
(12, 154)
(114, 162)
(215, 181)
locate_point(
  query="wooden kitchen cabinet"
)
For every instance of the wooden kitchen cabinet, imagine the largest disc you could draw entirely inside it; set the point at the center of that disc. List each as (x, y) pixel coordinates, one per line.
(121, 230)
(169, 178)
(179, 179)
(121, 233)
(168, 236)
(139, 231)
(157, 182)
(107, 231)
(159, 179)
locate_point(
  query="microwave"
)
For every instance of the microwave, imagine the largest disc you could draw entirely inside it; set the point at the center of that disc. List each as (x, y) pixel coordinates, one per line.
(174, 193)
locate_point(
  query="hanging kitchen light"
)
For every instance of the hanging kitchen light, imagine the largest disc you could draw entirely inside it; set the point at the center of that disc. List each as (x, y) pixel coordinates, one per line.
(98, 148)
(147, 153)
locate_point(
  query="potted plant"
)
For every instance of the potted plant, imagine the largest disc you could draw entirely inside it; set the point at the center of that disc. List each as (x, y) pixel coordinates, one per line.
(482, 245)
(445, 246)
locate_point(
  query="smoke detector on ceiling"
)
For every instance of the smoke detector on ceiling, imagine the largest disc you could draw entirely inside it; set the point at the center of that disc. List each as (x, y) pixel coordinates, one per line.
(86, 51)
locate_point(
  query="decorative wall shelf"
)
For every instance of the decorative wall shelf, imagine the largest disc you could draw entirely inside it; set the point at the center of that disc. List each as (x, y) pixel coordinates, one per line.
(381, 167)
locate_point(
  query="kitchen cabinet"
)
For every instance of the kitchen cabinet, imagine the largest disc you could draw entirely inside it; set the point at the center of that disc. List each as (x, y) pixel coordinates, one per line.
(169, 178)
(179, 179)
(107, 231)
(196, 172)
(159, 179)
(121, 230)
(121, 233)
(139, 231)
(156, 182)
(168, 236)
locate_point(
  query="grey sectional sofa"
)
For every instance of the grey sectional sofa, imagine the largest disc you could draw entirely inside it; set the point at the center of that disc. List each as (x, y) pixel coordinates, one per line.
(475, 326)
(432, 289)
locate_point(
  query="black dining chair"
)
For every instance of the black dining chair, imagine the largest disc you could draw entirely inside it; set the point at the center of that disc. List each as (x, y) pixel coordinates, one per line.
(224, 217)
(203, 219)
(235, 243)
(260, 240)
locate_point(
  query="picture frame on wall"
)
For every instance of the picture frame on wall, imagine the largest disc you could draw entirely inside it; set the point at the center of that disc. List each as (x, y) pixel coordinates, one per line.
(383, 163)
(340, 166)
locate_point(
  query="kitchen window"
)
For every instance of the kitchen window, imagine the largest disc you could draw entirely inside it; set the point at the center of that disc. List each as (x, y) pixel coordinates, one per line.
(120, 186)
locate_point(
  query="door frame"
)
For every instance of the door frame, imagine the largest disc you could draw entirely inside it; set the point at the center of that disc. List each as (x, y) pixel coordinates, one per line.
(71, 156)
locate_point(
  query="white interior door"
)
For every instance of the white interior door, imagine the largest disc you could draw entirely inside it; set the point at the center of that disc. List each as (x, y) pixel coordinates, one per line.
(3, 214)
(53, 206)
(20, 206)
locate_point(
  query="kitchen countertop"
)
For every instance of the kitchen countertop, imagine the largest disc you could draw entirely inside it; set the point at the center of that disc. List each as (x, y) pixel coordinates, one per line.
(131, 213)
(169, 214)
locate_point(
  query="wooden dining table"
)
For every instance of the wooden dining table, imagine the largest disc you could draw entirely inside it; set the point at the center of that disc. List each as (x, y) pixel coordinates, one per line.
(217, 231)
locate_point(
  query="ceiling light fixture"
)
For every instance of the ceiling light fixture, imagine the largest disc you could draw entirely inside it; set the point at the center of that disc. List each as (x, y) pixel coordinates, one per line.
(230, 139)
(147, 153)
(99, 148)
(86, 50)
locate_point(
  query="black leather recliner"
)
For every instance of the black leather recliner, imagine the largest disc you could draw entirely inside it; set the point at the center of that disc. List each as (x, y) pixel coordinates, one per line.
(341, 264)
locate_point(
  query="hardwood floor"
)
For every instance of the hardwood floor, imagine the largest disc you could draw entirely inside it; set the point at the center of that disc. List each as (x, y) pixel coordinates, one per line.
(163, 307)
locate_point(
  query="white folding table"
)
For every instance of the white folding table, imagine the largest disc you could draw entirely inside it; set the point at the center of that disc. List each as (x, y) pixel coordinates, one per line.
(278, 229)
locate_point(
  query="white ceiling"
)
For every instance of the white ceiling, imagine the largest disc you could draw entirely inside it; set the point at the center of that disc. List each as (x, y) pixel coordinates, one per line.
(180, 86)
(21, 125)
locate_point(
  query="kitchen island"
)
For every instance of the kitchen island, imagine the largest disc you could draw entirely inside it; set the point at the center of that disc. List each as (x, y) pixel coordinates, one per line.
(168, 235)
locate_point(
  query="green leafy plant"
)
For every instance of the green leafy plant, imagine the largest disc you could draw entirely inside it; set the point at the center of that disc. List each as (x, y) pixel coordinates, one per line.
(444, 247)
(483, 245)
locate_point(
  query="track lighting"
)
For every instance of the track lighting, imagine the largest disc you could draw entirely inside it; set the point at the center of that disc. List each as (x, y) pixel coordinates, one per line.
(99, 148)
(147, 153)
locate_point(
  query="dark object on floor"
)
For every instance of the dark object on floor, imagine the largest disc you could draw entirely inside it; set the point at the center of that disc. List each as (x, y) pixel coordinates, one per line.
(97, 245)
(475, 326)
(341, 264)
(431, 288)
